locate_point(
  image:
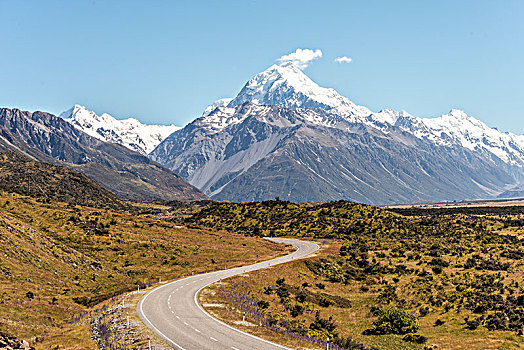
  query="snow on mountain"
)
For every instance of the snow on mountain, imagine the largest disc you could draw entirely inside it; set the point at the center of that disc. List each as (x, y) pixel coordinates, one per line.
(218, 103)
(130, 132)
(287, 86)
(457, 127)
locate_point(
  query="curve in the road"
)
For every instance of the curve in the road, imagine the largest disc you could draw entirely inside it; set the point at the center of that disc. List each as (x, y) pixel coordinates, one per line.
(173, 312)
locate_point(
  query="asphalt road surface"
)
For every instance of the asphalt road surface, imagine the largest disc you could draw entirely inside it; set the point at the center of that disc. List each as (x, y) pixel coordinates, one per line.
(172, 310)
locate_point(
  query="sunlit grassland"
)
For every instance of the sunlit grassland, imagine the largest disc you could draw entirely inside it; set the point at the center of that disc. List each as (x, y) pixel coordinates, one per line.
(56, 260)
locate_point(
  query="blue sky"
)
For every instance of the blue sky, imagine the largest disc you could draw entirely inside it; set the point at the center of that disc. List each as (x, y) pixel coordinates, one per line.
(165, 61)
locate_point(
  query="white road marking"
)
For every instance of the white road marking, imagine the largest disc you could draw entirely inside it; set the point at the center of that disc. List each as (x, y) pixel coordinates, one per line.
(186, 323)
(196, 330)
(213, 339)
(234, 348)
(177, 317)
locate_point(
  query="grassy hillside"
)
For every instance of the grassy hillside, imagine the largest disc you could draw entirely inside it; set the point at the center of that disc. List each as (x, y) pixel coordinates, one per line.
(458, 279)
(56, 259)
(23, 175)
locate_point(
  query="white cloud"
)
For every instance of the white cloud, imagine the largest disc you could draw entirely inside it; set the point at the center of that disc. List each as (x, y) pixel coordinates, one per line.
(343, 59)
(300, 58)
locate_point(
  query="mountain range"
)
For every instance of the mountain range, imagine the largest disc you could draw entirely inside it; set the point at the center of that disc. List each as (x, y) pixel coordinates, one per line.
(128, 174)
(285, 136)
(282, 136)
(127, 132)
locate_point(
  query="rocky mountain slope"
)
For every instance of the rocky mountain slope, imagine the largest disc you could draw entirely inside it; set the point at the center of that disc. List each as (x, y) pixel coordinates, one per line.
(283, 135)
(128, 174)
(129, 132)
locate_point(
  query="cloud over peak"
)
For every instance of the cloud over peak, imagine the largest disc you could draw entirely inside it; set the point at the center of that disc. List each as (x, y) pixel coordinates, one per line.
(343, 59)
(300, 58)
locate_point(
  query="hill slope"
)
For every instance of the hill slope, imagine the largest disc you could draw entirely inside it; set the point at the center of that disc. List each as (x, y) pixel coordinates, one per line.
(56, 259)
(21, 174)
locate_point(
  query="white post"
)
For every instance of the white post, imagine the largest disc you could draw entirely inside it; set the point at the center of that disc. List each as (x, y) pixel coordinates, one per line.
(139, 288)
(127, 316)
(244, 318)
(159, 280)
(123, 305)
(327, 344)
(209, 290)
(148, 343)
(221, 281)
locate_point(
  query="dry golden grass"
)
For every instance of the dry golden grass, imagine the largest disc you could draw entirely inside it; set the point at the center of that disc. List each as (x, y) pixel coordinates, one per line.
(53, 254)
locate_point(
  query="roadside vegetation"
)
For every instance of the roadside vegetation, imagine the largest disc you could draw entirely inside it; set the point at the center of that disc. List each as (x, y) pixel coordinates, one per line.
(385, 280)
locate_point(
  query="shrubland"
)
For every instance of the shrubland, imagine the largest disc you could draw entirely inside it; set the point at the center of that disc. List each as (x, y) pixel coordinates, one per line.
(387, 280)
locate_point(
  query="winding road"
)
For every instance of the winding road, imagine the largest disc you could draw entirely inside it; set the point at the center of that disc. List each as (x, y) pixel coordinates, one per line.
(172, 310)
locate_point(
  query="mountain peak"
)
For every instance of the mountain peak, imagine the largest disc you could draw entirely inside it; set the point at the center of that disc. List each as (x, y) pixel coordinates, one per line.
(458, 114)
(223, 102)
(286, 85)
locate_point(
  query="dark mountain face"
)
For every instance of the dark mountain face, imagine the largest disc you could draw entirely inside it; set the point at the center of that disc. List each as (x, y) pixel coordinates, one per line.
(253, 152)
(128, 174)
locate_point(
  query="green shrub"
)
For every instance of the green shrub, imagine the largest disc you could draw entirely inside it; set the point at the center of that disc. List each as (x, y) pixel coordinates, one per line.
(394, 321)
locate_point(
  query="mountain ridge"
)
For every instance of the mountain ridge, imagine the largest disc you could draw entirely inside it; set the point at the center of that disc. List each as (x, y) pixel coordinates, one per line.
(131, 133)
(128, 174)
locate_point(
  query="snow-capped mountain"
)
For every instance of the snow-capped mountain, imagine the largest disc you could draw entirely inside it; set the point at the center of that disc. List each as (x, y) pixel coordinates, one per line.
(287, 86)
(457, 126)
(283, 135)
(127, 132)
